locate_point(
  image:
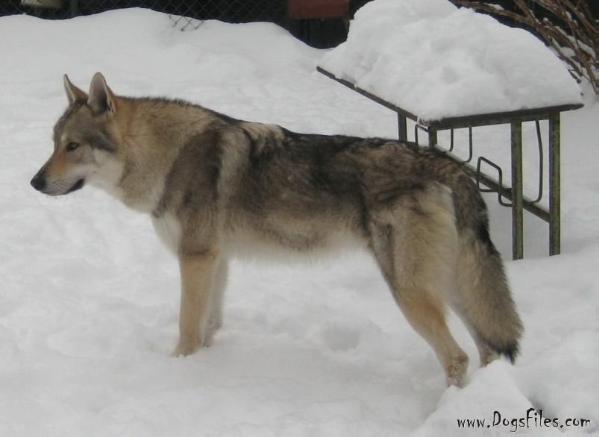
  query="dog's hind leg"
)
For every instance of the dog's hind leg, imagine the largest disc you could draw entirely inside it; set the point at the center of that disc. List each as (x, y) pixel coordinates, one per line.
(415, 246)
(426, 314)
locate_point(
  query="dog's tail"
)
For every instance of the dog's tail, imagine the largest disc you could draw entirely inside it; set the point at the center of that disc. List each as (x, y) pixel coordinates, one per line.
(483, 297)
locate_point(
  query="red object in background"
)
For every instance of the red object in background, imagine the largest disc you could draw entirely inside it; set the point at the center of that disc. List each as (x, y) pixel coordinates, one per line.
(310, 9)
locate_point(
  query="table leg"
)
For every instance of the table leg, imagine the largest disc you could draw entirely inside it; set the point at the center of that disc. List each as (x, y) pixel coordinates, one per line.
(432, 137)
(517, 196)
(402, 128)
(554, 185)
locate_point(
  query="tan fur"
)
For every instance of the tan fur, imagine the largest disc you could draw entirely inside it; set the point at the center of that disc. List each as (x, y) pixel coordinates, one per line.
(197, 280)
(215, 315)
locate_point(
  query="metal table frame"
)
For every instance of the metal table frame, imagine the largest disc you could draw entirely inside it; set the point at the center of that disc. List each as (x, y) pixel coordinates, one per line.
(514, 193)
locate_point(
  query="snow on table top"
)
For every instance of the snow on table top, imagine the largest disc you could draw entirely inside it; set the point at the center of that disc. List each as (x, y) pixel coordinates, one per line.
(437, 61)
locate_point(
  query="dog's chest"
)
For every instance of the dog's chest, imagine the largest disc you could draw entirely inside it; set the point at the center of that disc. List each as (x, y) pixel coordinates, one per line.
(169, 230)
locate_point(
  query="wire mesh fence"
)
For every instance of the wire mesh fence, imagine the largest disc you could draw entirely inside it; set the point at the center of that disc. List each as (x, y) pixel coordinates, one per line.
(226, 10)
(188, 14)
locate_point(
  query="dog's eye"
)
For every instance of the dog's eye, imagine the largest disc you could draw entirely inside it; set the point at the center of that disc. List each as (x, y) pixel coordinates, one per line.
(72, 146)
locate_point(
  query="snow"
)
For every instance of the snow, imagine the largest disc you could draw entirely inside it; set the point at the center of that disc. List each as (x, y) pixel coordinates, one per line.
(89, 296)
(437, 61)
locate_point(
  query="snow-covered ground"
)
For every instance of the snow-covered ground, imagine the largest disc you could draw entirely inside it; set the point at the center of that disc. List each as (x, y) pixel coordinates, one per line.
(89, 297)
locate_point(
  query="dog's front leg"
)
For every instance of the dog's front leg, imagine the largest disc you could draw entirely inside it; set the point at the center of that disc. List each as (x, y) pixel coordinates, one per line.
(215, 316)
(197, 277)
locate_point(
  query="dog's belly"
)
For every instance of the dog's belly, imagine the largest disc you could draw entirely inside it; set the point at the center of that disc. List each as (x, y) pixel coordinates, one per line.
(284, 247)
(272, 243)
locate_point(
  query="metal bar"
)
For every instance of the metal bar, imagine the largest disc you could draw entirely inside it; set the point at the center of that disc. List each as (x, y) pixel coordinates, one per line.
(500, 200)
(517, 196)
(554, 186)
(402, 127)
(417, 127)
(541, 163)
(498, 118)
(432, 137)
(531, 207)
(470, 151)
(497, 187)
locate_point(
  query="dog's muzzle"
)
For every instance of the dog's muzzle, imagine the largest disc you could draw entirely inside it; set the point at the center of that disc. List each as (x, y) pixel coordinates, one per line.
(40, 183)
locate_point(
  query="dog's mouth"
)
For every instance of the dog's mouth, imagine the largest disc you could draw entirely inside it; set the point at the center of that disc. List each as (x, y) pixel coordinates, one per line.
(57, 188)
(76, 186)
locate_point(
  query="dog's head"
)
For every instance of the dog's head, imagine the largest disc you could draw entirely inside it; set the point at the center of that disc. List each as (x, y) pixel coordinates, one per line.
(86, 141)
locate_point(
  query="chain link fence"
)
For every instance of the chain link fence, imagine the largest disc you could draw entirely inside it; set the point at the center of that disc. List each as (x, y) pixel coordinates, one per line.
(188, 14)
(237, 11)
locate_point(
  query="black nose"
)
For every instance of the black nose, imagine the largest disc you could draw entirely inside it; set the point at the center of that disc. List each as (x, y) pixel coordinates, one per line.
(38, 182)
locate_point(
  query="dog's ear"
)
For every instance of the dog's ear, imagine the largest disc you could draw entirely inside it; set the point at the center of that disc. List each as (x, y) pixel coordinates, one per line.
(101, 98)
(74, 94)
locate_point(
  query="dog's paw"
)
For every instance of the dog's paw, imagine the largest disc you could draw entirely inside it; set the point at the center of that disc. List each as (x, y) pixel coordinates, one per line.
(210, 333)
(215, 322)
(186, 347)
(456, 371)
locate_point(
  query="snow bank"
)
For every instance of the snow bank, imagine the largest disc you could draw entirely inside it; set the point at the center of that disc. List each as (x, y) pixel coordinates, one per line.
(89, 296)
(438, 61)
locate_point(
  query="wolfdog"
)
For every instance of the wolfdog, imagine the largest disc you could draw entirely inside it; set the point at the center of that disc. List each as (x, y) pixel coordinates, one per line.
(215, 186)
